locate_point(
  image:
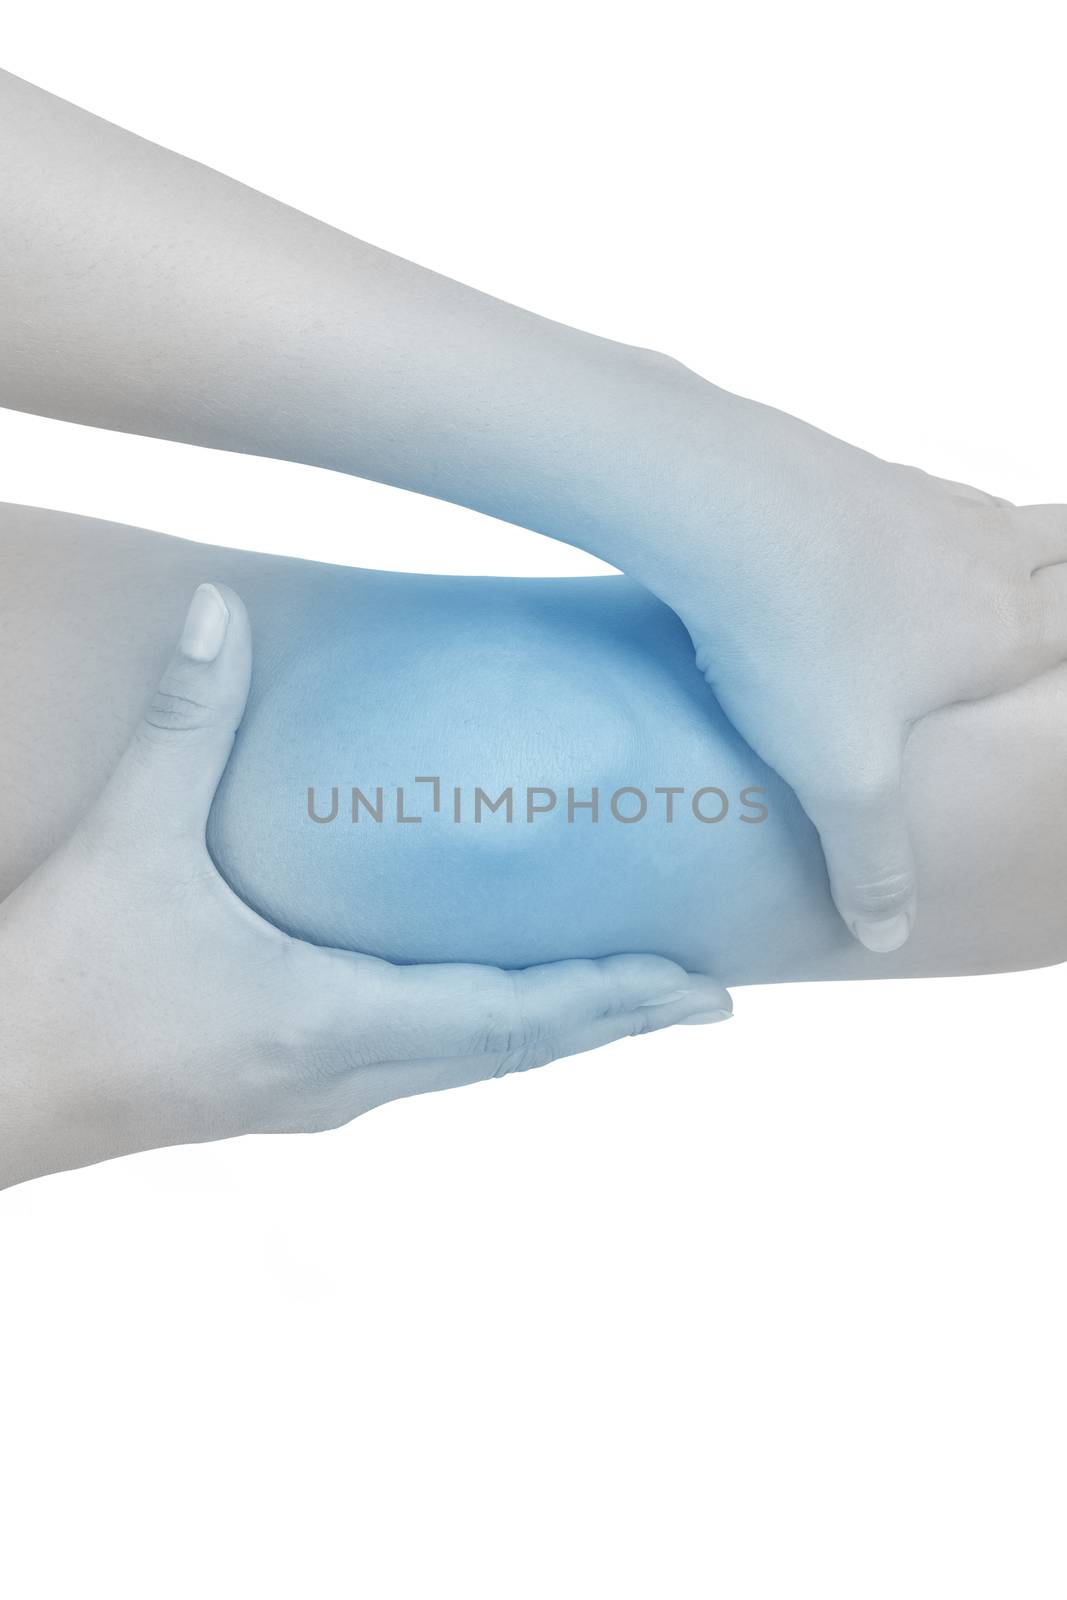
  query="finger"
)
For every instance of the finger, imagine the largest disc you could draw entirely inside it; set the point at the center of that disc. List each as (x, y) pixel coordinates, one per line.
(399, 1079)
(867, 844)
(1045, 530)
(458, 1010)
(167, 777)
(607, 1030)
(1046, 533)
(1051, 583)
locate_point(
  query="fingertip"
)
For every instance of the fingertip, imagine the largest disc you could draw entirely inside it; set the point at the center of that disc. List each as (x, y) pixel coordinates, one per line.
(206, 624)
(644, 979)
(231, 599)
(238, 637)
(618, 983)
(870, 861)
(882, 935)
(702, 999)
(215, 649)
(216, 632)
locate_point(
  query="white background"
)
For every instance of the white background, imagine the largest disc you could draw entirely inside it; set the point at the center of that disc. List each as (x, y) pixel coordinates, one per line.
(767, 1310)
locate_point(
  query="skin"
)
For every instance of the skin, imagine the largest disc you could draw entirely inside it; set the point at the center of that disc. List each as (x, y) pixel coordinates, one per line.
(374, 678)
(153, 1007)
(836, 602)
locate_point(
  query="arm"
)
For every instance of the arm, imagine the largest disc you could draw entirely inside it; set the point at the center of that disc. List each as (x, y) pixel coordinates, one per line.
(144, 292)
(834, 600)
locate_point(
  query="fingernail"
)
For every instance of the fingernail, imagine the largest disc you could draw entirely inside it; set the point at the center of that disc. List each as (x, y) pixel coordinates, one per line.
(884, 936)
(698, 1017)
(205, 625)
(671, 999)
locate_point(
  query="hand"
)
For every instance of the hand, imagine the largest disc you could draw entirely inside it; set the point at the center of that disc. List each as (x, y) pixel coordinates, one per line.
(834, 600)
(145, 1005)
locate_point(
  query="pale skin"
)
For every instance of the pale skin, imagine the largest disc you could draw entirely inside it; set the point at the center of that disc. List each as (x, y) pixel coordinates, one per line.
(146, 1005)
(145, 1002)
(835, 601)
(371, 678)
(143, 292)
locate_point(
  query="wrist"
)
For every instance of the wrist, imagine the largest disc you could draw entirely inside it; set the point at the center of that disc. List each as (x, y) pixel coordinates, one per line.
(48, 1116)
(592, 438)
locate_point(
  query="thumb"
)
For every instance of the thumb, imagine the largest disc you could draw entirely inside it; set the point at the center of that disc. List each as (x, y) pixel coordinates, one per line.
(867, 843)
(166, 779)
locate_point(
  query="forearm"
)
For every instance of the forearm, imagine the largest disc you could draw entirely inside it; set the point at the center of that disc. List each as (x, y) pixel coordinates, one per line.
(144, 292)
(834, 601)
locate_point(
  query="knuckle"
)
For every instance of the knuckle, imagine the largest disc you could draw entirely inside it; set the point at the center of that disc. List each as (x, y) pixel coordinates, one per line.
(1048, 630)
(600, 983)
(313, 1038)
(525, 1059)
(1019, 614)
(858, 787)
(172, 710)
(506, 1026)
(616, 983)
(881, 896)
